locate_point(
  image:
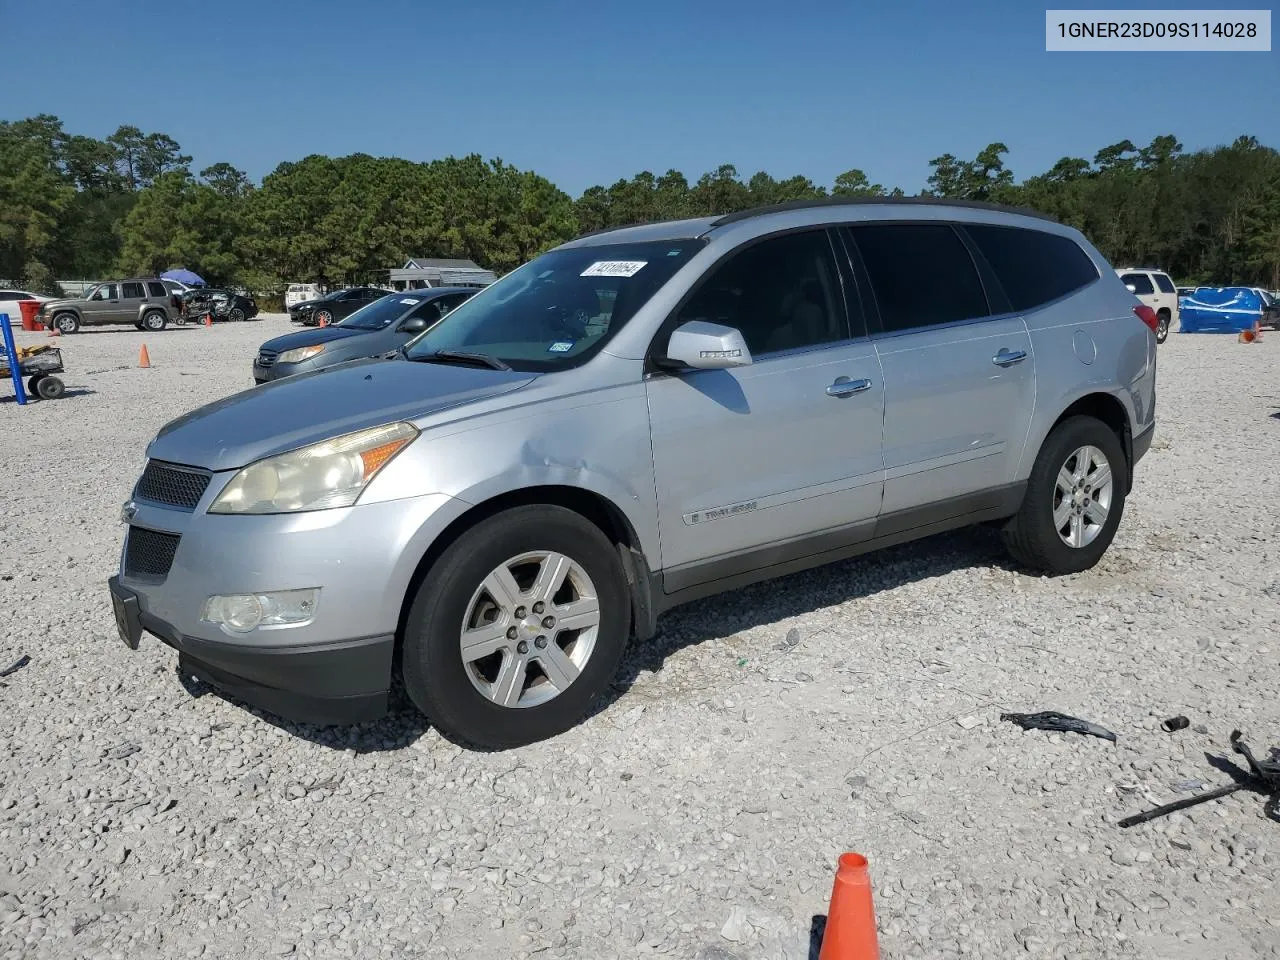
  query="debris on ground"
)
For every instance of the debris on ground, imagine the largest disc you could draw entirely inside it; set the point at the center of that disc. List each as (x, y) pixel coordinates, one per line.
(1058, 722)
(1174, 723)
(1263, 776)
(14, 667)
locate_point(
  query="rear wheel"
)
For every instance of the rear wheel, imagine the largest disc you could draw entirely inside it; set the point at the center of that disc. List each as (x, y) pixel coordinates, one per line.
(50, 388)
(154, 321)
(1074, 499)
(1162, 326)
(518, 628)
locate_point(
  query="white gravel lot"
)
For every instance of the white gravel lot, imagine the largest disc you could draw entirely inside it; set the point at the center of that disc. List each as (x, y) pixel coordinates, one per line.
(762, 734)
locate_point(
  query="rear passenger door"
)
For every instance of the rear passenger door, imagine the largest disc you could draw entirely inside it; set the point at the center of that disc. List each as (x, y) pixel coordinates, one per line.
(132, 293)
(959, 377)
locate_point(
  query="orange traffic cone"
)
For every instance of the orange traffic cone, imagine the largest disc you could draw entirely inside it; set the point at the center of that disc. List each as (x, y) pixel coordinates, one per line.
(54, 331)
(1247, 336)
(851, 920)
(1257, 330)
(208, 319)
(144, 358)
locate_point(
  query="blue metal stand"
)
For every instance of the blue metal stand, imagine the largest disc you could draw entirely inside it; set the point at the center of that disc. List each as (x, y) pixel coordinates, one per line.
(19, 390)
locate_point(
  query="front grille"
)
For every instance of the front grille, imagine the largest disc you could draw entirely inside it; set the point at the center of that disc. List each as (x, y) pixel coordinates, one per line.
(172, 485)
(149, 553)
(266, 358)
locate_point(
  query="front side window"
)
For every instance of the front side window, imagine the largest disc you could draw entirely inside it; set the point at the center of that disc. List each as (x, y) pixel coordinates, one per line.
(105, 292)
(1140, 282)
(1164, 283)
(921, 274)
(780, 294)
(1033, 267)
(556, 311)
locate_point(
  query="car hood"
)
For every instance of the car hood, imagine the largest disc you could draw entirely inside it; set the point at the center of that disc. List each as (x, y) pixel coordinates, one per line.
(293, 412)
(62, 302)
(308, 338)
(307, 303)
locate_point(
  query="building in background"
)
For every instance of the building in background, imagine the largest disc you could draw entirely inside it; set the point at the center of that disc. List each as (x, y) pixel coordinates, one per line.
(422, 272)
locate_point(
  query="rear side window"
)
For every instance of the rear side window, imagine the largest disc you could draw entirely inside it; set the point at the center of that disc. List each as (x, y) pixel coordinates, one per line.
(1164, 283)
(157, 289)
(921, 274)
(132, 290)
(1140, 282)
(1034, 267)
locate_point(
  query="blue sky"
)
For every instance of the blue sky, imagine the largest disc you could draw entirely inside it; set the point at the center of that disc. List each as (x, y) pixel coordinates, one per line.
(586, 93)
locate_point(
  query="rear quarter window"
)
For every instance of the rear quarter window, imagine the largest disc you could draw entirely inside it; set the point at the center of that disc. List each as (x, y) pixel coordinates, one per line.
(157, 289)
(1034, 267)
(1165, 284)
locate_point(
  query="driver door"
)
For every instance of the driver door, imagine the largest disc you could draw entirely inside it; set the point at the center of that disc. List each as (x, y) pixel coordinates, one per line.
(103, 306)
(780, 459)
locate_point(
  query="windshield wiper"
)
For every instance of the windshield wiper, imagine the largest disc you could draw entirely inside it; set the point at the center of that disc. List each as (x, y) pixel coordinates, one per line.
(458, 356)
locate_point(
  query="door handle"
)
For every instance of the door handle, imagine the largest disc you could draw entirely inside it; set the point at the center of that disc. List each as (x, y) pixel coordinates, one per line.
(1006, 357)
(844, 387)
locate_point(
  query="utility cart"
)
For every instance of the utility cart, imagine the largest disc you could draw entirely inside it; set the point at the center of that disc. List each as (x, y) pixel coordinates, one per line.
(39, 365)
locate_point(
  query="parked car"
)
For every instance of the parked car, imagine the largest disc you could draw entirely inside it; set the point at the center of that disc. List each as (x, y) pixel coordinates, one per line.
(635, 419)
(1154, 288)
(377, 328)
(297, 293)
(334, 306)
(1270, 308)
(221, 304)
(145, 303)
(10, 301)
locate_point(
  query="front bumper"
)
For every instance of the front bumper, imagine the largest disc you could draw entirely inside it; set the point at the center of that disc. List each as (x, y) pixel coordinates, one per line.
(336, 668)
(333, 683)
(278, 370)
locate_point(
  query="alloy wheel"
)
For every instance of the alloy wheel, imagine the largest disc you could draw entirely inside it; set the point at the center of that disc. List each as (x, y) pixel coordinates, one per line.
(1082, 496)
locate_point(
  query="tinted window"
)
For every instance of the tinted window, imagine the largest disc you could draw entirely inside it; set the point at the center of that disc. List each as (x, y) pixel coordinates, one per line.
(921, 274)
(132, 290)
(1164, 283)
(156, 289)
(1033, 267)
(106, 292)
(781, 294)
(1140, 282)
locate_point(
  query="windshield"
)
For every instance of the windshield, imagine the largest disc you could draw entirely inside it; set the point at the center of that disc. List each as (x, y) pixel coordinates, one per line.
(380, 313)
(558, 310)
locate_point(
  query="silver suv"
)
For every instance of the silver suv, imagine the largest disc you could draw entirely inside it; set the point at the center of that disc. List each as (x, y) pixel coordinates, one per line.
(146, 303)
(633, 420)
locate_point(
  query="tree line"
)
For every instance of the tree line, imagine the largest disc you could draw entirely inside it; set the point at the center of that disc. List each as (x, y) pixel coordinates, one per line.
(75, 207)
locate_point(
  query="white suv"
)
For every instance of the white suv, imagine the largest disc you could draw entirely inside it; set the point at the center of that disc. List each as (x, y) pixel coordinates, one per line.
(300, 293)
(1154, 288)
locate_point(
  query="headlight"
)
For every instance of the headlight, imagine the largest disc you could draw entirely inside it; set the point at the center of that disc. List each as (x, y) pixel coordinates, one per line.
(298, 354)
(321, 476)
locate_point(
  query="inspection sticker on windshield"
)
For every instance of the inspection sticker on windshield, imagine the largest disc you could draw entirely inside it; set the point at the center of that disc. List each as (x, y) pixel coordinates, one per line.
(560, 346)
(408, 300)
(614, 268)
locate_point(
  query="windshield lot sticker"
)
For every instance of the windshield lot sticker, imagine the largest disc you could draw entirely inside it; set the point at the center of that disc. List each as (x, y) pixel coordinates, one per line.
(614, 268)
(408, 300)
(560, 346)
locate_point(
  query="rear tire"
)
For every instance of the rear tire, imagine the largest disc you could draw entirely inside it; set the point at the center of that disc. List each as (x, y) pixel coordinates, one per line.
(1037, 536)
(50, 388)
(1162, 326)
(461, 697)
(154, 321)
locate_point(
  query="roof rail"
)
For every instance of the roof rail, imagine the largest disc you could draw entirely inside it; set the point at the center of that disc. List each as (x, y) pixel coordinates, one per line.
(850, 201)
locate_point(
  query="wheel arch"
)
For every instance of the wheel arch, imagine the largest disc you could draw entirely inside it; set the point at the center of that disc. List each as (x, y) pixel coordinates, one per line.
(1111, 411)
(594, 507)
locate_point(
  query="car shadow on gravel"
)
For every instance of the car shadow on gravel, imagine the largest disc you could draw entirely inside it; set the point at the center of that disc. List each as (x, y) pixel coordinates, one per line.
(799, 593)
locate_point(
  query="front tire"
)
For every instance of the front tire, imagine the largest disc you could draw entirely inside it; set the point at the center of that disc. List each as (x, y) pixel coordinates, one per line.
(236, 315)
(517, 629)
(154, 321)
(50, 388)
(66, 323)
(1074, 499)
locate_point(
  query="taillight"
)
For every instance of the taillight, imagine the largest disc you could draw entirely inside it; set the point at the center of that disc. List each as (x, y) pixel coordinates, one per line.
(1147, 316)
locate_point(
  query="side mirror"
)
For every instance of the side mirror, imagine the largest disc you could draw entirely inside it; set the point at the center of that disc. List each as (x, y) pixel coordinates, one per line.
(708, 346)
(414, 325)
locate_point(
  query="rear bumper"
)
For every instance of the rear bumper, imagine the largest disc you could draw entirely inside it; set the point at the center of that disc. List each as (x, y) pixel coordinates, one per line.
(331, 683)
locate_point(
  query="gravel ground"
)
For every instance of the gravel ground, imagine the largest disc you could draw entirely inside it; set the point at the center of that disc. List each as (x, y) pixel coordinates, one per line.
(701, 812)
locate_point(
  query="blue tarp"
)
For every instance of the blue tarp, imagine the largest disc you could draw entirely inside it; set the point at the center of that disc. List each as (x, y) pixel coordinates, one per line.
(1220, 310)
